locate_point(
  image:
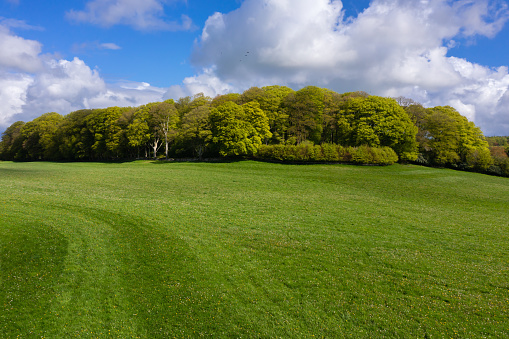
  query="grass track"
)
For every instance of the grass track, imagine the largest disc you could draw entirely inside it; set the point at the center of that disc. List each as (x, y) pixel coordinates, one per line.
(247, 249)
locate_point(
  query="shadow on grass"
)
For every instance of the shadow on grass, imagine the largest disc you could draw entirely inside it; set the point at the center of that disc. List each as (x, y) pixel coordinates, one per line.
(197, 160)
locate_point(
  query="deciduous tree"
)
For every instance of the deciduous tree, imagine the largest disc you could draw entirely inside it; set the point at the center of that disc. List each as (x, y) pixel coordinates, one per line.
(238, 130)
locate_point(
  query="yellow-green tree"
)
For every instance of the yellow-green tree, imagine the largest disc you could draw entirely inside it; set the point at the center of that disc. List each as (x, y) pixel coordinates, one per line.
(38, 134)
(448, 138)
(238, 130)
(377, 122)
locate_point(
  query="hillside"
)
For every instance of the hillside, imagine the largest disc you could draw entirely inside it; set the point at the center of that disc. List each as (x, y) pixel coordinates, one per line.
(246, 249)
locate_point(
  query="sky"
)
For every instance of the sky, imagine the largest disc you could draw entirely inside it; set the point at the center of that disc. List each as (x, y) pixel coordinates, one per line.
(61, 56)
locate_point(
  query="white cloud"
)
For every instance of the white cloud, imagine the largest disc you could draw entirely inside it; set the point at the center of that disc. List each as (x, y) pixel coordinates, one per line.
(31, 84)
(140, 14)
(13, 23)
(207, 83)
(110, 45)
(13, 88)
(17, 53)
(94, 45)
(63, 86)
(394, 47)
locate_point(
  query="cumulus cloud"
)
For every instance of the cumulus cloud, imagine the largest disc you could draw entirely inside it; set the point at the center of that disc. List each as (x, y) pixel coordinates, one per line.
(207, 82)
(31, 84)
(13, 89)
(65, 86)
(18, 54)
(394, 47)
(140, 14)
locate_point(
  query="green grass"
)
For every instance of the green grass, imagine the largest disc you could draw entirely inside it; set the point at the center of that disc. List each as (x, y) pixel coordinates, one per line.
(251, 250)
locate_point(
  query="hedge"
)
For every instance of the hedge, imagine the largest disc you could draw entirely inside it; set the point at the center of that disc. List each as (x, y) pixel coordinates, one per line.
(307, 152)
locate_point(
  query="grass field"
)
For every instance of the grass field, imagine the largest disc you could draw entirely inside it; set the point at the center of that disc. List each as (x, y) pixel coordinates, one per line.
(251, 250)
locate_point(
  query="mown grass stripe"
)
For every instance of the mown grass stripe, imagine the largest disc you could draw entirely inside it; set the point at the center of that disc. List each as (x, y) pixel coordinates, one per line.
(251, 249)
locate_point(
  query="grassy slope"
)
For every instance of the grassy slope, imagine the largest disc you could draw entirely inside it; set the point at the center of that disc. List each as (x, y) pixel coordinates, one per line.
(251, 250)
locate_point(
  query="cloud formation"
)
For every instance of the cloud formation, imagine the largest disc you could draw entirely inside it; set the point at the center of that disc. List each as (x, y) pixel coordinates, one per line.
(32, 84)
(394, 47)
(18, 54)
(140, 14)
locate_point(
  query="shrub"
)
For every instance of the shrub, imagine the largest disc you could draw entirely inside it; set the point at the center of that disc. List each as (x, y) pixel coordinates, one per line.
(307, 152)
(329, 152)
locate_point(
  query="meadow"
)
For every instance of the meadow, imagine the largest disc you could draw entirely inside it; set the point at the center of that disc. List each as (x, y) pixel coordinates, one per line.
(251, 250)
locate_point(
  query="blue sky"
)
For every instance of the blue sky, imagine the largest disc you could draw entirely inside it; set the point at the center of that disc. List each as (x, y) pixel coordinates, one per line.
(66, 55)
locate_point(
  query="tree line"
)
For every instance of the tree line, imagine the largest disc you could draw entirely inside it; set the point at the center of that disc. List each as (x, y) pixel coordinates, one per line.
(237, 124)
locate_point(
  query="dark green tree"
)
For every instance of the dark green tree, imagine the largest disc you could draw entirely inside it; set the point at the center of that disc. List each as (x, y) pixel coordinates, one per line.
(305, 114)
(11, 146)
(195, 130)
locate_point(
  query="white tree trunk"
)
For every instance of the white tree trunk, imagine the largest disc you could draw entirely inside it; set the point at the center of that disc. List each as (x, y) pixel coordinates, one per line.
(156, 144)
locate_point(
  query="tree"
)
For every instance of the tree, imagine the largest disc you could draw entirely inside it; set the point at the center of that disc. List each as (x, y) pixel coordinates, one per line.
(238, 130)
(103, 125)
(222, 99)
(137, 132)
(377, 122)
(195, 129)
(39, 135)
(257, 118)
(12, 141)
(331, 115)
(73, 137)
(271, 99)
(448, 138)
(305, 114)
(405, 102)
(168, 118)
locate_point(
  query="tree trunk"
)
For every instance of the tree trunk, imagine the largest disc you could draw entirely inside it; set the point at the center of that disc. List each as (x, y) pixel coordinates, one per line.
(155, 146)
(166, 142)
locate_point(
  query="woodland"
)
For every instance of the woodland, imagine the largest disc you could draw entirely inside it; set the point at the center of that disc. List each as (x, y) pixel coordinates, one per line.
(272, 123)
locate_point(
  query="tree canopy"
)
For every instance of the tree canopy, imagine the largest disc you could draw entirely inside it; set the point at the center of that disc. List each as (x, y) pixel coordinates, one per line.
(239, 124)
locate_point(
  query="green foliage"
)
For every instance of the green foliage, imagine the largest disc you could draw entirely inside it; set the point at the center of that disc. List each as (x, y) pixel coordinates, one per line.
(446, 138)
(11, 145)
(500, 161)
(107, 134)
(223, 99)
(138, 131)
(479, 159)
(73, 137)
(195, 133)
(239, 130)
(370, 155)
(271, 99)
(307, 152)
(305, 113)
(311, 119)
(498, 141)
(186, 104)
(376, 121)
(38, 137)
